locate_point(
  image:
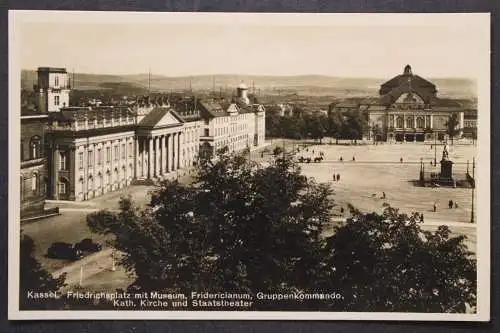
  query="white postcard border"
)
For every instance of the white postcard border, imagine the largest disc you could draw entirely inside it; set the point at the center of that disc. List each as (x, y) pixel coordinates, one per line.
(479, 21)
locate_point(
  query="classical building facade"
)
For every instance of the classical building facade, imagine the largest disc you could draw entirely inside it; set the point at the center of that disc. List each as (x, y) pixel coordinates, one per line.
(99, 149)
(408, 109)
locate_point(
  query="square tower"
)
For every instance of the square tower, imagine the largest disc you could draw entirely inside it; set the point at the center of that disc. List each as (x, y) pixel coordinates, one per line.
(52, 89)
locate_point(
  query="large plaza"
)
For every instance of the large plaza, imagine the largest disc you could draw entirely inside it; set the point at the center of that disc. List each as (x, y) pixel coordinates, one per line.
(377, 169)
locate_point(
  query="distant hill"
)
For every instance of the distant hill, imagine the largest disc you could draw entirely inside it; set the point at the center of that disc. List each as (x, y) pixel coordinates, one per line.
(313, 85)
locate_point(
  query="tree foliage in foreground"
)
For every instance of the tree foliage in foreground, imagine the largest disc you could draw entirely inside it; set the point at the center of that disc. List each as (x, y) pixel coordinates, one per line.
(33, 278)
(248, 228)
(388, 262)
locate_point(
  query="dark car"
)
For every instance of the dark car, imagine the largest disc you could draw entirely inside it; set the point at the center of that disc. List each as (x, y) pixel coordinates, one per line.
(87, 245)
(60, 250)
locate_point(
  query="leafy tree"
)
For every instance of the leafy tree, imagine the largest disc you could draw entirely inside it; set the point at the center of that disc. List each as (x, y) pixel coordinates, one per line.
(354, 125)
(35, 279)
(277, 151)
(335, 123)
(316, 127)
(388, 262)
(240, 228)
(452, 128)
(377, 133)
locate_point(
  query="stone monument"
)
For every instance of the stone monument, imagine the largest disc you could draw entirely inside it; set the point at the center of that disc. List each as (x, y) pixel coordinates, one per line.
(446, 166)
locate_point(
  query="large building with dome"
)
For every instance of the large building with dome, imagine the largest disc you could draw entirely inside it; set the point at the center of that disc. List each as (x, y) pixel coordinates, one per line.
(408, 108)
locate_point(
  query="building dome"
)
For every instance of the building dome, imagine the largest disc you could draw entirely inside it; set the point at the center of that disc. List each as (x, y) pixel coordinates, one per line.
(242, 86)
(407, 70)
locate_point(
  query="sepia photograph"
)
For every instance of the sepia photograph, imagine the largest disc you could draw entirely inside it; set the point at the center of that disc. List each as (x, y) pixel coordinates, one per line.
(249, 166)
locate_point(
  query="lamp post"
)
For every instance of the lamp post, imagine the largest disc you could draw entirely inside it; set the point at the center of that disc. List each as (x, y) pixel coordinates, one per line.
(435, 149)
(473, 190)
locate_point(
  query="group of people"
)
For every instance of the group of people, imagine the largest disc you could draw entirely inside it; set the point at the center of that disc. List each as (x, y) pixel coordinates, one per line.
(336, 177)
(451, 204)
(341, 159)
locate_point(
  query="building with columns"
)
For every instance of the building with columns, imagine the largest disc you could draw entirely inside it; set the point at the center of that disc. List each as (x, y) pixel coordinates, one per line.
(408, 109)
(94, 150)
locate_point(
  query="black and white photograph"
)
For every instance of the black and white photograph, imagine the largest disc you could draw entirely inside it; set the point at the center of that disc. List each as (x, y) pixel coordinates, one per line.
(249, 166)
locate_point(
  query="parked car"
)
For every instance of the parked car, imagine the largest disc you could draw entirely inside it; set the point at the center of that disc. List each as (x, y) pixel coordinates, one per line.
(88, 245)
(60, 250)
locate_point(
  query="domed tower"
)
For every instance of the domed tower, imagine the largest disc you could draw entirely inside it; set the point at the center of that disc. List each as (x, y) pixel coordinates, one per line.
(242, 93)
(407, 70)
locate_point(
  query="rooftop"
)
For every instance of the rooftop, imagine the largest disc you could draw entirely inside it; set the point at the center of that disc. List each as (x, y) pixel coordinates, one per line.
(52, 69)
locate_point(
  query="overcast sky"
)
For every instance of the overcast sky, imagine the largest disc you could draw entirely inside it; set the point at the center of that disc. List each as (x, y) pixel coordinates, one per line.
(356, 47)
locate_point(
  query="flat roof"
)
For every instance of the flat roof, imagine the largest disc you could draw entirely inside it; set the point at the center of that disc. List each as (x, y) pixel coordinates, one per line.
(52, 69)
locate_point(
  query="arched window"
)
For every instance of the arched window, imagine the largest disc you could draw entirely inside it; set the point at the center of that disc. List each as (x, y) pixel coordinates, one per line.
(35, 147)
(91, 183)
(62, 186)
(409, 122)
(34, 183)
(420, 122)
(399, 122)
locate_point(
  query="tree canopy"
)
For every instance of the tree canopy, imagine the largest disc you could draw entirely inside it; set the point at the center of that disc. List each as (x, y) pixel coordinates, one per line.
(452, 128)
(35, 279)
(242, 227)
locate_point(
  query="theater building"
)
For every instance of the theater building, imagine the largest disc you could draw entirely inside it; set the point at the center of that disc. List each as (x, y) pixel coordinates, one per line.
(409, 109)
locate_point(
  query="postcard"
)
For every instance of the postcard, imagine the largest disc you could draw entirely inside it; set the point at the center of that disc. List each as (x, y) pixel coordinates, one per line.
(249, 166)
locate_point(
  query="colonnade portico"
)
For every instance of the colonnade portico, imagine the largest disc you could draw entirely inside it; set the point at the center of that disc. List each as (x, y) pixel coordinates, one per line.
(157, 155)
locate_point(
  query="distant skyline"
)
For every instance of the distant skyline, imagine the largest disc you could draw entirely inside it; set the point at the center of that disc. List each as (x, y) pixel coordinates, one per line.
(445, 48)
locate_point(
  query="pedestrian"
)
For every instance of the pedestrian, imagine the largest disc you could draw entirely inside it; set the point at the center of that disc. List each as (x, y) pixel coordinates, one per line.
(262, 154)
(342, 210)
(435, 207)
(334, 177)
(422, 217)
(450, 204)
(383, 195)
(341, 159)
(401, 160)
(456, 205)
(313, 151)
(338, 177)
(353, 159)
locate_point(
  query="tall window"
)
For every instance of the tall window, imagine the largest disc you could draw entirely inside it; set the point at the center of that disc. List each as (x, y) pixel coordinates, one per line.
(116, 153)
(91, 159)
(399, 122)
(409, 122)
(80, 160)
(420, 122)
(34, 147)
(56, 81)
(207, 132)
(62, 161)
(123, 151)
(130, 149)
(56, 100)
(108, 154)
(62, 188)
(34, 183)
(99, 156)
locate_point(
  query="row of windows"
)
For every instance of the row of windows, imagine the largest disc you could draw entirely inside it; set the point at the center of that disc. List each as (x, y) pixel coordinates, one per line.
(99, 154)
(420, 121)
(103, 121)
